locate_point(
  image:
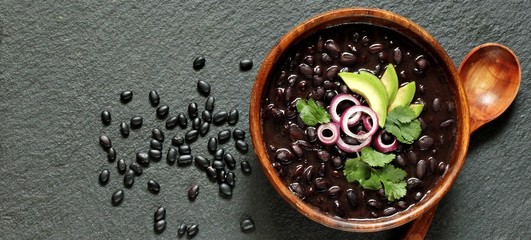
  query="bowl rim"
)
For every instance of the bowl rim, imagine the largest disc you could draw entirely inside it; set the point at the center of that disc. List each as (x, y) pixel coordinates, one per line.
(362, 15)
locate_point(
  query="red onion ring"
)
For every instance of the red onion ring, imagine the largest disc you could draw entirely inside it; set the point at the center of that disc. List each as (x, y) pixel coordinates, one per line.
(382, 147)
(352, 148)
(354, 110)
(333, 127)
(335, 102)
(366, 122)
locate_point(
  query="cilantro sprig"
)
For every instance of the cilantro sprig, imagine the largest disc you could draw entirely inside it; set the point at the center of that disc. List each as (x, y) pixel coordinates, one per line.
(372, 170)
(311, 113)
(402, 122)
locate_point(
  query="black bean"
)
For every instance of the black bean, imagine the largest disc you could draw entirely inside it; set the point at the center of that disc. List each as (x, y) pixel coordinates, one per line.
(182, 230)
(221, 176)
(142, 158)
(192, 230)
(331, 73)
(309, 173)
(201, 162)
(400, 161)
(105, 142)
(159, 214)
(305, 70)
(242, 146)
(155, 154)
(224, 136)
(412, 156)
(117, 197)
(191, 136)
(154, 144)
(120, 165)
(196, 123)
(211, 172)
(225, 189)
(296, 133)
(421, 169)
(162, 111)
(124, 129)
(413, 182)
(218, 164)
(233, 117)
(157, 134)
(323, 155)
(153, 186)
(402, 204)
(159, 226)
(337, 163)
(425, 142)
(374, 203)
(177, 141)
(199, 63)
(106, 117)
(432, 162)
(321, 170)
(381, 193)
(332, 48)
(182, 121)
(154, 98)
(333, 191)
(351, 198)
(193, 191)
(136, 122)
(309, 60)
(185, 159)
(220, 117)
(297, 150)
(171, 157)
(204, 128)
(284, 156)
(447, 123)
(136, 168)
(389, 211)
(230, 179)
(397, 55)
(418, 196)
(192, 110)
(296, 188)
(421, 62)
(218, 155)
(111, 154)
(436, 104)
(129, 178)
(209, 104)
(126, 96)
(246, 64)
(185, 149)
(229, 161)
(203, 87)
(347, 59)
(247, 225)
(442, 167)
(206, 116)
(212, 144)
(245, 167)
(104, 176)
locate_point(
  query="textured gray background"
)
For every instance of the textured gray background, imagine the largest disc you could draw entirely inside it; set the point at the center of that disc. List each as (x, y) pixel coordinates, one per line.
(62, 63)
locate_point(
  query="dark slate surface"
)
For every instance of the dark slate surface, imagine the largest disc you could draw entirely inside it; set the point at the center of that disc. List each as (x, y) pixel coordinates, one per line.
(62, 63)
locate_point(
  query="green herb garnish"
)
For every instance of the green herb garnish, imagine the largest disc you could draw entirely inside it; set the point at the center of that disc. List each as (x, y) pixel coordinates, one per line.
(402, 122)
(372, 171)
(311, 113)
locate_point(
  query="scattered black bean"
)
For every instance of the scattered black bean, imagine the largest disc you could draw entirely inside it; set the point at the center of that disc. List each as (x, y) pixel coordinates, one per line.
(124, 129)
(154, 144)
(142, 158)
(229, 161)
(221, 176)
(233, 116)
(153, 186)
(296, 188)
(196, 123)
(104, 176)
(185, 149)
(171, 122)
(212, 144)
(246, 167)
(220, 117)
(225, 189)
(154, 98)
(182, 229)
(246, 64)
(242, 146)
(120, 165)
(224, 136)
(117, 197)
(203, 87)
(160, 226)
(218, 164)
(211, 172)
(157, 134)
(177, 141)
(111, 154)
(185, 159)
(106, 117)
(238, 134)
(201, 162)
(126, 96)
(206, 116)
(192, 230)
(171, 157)
(159, 214)
(199, 63)
(183, 122)
(209, 104)
(204, 128)
(162, 111)
(136, 122)
(193, 191)
(105, 142)
(136, 168)
(218, 155)
(230, 179)
(155, 154)
(129, 178)
(247, 225)
(191, 136)
(192, 110)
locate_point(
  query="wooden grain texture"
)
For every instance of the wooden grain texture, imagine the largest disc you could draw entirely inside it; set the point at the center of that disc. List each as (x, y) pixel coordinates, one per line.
(413, 31)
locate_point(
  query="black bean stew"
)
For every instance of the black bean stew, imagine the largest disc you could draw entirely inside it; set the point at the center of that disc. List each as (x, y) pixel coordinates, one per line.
(314, 172)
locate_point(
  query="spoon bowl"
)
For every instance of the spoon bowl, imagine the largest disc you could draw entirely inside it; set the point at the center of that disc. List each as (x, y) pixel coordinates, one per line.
(491, 78)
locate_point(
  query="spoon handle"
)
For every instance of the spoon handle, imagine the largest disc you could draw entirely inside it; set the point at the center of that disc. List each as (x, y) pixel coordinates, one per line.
(419, 227)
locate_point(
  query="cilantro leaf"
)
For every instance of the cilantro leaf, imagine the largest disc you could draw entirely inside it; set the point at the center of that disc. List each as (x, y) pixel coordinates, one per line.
(373, 183)
(393, 174)
(311, 113)
(402, 123)
(355, 170)
(394, 191)
(375, 158)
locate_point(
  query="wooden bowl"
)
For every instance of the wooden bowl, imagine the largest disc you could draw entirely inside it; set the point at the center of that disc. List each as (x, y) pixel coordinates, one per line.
(407, 28)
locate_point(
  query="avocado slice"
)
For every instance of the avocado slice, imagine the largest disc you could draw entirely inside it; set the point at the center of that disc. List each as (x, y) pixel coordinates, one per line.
(372, 89)
(417, 108)
(404, 96)
(390, 81)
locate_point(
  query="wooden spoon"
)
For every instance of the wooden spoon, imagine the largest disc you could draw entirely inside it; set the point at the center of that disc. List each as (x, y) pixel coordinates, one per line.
(491, 78)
